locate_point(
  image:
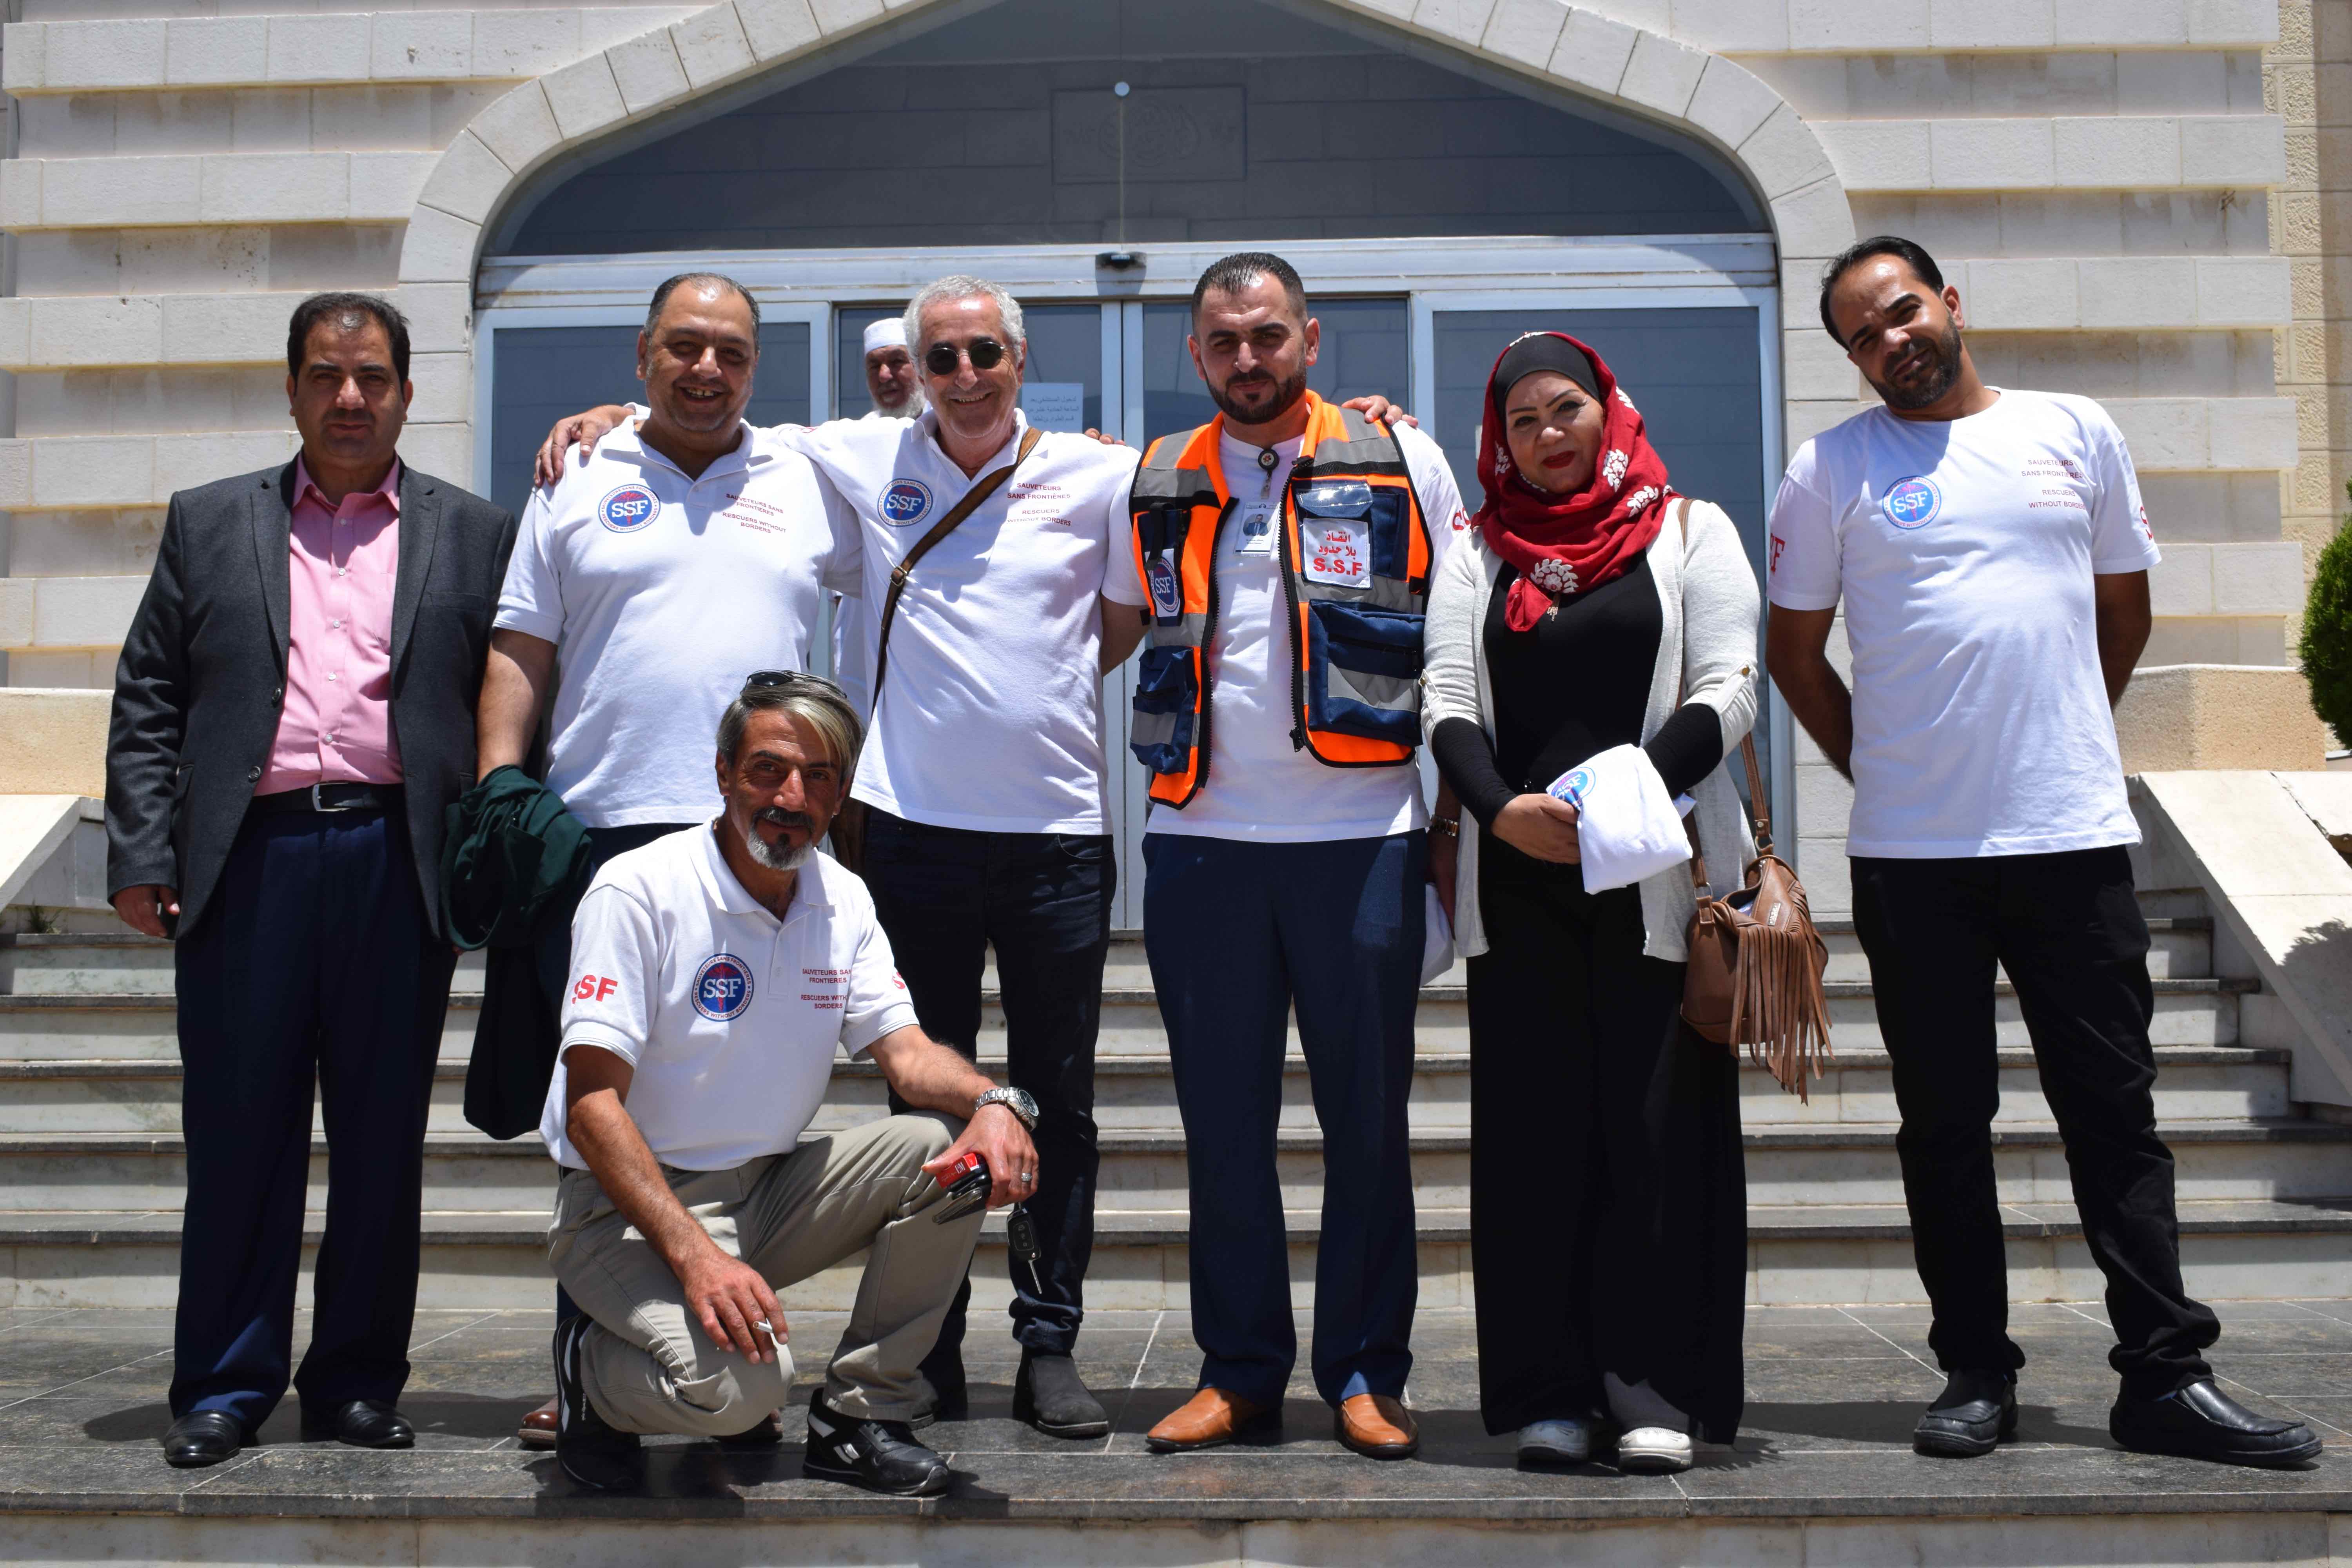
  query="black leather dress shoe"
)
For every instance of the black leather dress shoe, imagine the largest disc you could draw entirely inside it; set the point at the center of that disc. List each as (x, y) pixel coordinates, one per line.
(2200, 1422)
(588, 1448)
(203, 1437)
(1048, 1395)
(879, 1456)
(362, 1423)
(1976, 1412)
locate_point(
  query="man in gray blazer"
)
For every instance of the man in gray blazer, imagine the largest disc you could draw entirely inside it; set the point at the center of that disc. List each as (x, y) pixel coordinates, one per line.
(293, 712)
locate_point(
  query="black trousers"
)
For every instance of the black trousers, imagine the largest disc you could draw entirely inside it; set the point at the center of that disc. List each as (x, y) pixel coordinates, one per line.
(1608, 1197)
(945, 895)
(2068, 930)
(314, 963)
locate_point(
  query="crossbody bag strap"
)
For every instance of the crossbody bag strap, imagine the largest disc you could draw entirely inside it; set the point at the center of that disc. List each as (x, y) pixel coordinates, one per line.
(984, 487)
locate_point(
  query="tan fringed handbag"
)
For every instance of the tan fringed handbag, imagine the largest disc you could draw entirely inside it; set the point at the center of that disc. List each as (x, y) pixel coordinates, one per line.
(1756, 961)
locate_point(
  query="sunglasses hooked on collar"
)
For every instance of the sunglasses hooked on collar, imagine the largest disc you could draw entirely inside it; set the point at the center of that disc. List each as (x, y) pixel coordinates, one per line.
(941, 359)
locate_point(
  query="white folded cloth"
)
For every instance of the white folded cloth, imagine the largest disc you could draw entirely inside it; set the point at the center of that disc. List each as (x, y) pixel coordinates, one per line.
(1627, 828)
(1436, 936)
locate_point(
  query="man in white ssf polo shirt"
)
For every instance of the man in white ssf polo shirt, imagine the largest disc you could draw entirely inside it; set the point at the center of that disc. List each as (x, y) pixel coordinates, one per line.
(714, 971)
(988, 821)
(626, 562)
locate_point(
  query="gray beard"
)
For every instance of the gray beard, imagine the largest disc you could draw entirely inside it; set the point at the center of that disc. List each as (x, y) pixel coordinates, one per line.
(910, 409)
(775, 856)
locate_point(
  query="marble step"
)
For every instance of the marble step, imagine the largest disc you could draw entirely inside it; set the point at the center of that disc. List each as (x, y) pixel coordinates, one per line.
(2189, 1012)
(2230, 1250)
(141, 1094)
(34, 965)
(1143, 1170)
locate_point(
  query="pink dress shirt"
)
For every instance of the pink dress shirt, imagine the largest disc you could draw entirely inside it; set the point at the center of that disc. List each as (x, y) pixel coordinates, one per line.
(336, 726)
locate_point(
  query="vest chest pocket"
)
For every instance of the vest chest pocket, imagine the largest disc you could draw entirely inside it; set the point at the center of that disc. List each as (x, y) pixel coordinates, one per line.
(1363, 670)
(1167, 697)
(1351, 531)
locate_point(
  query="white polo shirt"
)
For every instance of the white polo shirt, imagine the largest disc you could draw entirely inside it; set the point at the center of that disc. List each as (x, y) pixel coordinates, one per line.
(989, 715)
(661, 593)
(729, 1016)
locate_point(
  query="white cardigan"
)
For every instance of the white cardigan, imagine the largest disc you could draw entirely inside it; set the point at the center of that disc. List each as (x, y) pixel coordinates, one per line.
(1706, 653)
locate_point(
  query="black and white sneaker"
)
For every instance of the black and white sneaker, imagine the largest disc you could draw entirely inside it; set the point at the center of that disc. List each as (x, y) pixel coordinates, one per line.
(589, 1450)
(879, 1456)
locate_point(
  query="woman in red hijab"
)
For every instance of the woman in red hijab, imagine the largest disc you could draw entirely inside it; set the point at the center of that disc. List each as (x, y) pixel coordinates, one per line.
(1594, 609)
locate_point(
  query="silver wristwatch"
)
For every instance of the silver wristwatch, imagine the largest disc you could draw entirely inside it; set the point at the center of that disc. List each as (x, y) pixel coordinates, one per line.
(1016, 1100)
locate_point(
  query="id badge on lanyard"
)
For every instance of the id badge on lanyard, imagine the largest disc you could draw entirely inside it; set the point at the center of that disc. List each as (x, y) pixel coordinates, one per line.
(1257, 517)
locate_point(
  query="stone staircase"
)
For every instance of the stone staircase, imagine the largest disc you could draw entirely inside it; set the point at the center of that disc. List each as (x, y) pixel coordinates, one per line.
(93, 1167)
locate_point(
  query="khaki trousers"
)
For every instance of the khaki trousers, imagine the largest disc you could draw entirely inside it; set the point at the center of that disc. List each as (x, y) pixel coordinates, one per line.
(650, 1366)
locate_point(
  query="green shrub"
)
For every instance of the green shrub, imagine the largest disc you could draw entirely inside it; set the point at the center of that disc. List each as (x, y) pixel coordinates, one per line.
(2326, 650)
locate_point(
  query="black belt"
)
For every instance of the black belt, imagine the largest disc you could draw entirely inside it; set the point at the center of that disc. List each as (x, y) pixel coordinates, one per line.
(329, 797)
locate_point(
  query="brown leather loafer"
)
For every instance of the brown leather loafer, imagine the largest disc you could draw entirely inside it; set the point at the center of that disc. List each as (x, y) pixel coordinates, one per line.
(1209, 1419)
(1376, 1426)
(537, 1428)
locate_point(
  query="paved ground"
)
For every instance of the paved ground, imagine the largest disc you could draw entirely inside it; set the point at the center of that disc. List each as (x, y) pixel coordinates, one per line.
(1831, 1394)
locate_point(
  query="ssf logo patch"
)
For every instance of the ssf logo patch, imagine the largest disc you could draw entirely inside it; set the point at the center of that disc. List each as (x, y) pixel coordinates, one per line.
(628, 508)
(1572, 787)
(905, 501)
(1912, 503)
(1167, 594)
(722, 988)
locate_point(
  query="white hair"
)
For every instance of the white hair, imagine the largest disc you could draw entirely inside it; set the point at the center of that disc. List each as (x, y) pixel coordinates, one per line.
(963, 286)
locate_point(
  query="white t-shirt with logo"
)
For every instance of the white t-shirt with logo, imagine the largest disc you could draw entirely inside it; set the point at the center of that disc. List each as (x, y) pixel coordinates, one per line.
(1964, 551)
(1260, 786)
(661, 593)
(730, 1016)
(990, 713)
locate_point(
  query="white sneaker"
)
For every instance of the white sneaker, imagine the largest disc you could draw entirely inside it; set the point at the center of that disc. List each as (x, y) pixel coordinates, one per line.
(1555, 1442)
(1654, 1451)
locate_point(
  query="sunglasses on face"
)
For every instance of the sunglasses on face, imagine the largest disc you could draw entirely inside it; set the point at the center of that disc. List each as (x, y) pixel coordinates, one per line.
(941, 359)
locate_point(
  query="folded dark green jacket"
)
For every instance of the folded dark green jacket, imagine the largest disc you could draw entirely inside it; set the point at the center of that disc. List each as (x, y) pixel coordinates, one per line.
(514, 862)
(513, 867)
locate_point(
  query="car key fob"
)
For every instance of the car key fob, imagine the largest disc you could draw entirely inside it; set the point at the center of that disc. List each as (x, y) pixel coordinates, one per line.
(968, 1184)
(1021, 1234)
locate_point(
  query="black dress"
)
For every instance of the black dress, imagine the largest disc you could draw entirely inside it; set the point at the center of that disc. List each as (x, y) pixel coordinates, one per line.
(1607, 1202)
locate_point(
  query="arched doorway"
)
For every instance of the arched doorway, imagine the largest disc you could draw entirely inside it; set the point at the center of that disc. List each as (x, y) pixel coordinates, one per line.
(1435, 206)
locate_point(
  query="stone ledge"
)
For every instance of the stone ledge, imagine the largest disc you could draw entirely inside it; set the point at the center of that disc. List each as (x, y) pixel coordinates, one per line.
(53, 742)
(2203, 716)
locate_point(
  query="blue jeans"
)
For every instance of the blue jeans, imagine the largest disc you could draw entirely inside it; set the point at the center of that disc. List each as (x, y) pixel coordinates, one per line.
(946, 895)
(1238, 934)
(314, 963)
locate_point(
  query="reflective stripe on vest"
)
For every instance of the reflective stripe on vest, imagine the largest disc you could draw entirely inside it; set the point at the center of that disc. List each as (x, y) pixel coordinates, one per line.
(1355, 566)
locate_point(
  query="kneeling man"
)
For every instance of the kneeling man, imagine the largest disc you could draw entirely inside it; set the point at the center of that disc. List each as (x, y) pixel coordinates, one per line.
(713, 973)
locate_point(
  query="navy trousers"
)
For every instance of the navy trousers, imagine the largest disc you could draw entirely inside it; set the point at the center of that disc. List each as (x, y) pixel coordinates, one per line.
(314, 963)
(1238, 935)
(945, 895)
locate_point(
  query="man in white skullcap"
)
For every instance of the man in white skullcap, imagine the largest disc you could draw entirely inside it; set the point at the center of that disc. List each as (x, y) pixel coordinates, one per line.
(890, 378)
